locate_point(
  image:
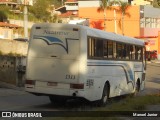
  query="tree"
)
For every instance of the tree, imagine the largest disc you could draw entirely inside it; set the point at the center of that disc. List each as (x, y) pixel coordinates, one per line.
(103, 8)
(123, 9)
(4, 10)
(156, 3)
(40, 10)
(57, 3)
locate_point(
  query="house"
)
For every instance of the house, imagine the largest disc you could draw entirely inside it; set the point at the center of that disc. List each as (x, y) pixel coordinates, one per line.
(7, 31)
(142, 2)
(68, 11)
(11, 4)
(26, 2)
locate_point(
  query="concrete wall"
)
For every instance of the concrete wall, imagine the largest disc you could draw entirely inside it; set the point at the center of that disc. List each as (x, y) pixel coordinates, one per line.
(20, 22)
(12, 46)
(12, 69)
(7, 69)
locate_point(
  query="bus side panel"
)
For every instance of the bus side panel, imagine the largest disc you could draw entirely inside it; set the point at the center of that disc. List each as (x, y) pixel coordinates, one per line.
(99, 74)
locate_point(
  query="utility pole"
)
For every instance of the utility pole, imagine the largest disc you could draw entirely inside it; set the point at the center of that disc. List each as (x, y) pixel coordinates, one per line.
(62, 2)
(25, 11)
(115, 19)
(115, 22)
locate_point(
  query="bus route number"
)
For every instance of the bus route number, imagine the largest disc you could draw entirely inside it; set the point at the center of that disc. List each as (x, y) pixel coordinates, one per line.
(70, 77)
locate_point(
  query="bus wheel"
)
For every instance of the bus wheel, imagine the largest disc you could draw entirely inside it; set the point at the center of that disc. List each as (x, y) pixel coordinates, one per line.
(105, 96)
(57, 100)
(137, 87)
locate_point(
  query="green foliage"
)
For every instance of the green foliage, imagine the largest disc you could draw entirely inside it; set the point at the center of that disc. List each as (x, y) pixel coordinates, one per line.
(1, 53)
(138, 103)
(57, 3)
(14, 54)
(39, 9)
(104, 5)
(134, 104)
(4, 10)
(156, 3)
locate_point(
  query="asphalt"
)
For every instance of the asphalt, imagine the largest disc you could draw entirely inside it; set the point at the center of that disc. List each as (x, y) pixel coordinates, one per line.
(4, 92)
(10, 90)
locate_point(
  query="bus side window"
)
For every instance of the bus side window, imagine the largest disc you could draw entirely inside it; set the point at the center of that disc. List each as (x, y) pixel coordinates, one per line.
(90, 47)
(124, 52)
(132, 52)
(127, 51)
(99, 48)
(114, 50)
(110, 49)
(119, 50)
(95, 48)
(105, 48)
(138, 51)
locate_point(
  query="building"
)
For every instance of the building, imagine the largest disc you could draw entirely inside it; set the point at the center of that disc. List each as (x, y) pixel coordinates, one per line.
(26, 2)
(13, 5)
(68, 11)
(142, 2)
(143, 22)
(8, 30)
(137, 2)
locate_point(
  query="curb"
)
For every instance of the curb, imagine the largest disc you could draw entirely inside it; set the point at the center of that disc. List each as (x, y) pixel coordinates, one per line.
(10, 86)
(154, 61)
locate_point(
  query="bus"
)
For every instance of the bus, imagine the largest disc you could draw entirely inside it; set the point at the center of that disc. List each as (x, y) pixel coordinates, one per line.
(67, 61)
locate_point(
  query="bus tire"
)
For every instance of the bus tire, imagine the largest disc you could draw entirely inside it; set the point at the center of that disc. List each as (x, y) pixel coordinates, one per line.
(137, 87)
(105, 95)
(57, 100)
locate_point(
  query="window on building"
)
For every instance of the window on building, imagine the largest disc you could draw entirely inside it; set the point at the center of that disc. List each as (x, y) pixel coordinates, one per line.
(147, 22)
(142, 21)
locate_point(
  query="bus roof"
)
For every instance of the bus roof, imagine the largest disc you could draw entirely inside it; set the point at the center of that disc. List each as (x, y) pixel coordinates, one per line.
(95, 33)
(113, 36)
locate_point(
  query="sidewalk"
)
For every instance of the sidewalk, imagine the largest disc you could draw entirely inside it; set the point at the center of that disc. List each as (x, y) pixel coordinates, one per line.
(4, 92)
(10, 90)
(10, 86)
(154, 61)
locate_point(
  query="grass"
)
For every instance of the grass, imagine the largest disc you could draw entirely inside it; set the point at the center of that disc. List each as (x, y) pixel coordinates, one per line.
(138, 103)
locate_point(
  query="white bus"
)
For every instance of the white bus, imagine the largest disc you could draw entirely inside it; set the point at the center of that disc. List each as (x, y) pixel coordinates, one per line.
(72, 61)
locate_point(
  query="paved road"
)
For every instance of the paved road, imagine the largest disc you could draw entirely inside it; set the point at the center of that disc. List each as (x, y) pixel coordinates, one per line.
(152, 85)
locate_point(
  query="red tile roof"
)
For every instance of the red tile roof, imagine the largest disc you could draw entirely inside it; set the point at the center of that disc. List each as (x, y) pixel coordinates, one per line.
(3, 24)
(68, 14)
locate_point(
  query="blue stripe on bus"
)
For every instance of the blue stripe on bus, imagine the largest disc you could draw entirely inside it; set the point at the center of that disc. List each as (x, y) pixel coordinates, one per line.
(50, 40)
(125, 65)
